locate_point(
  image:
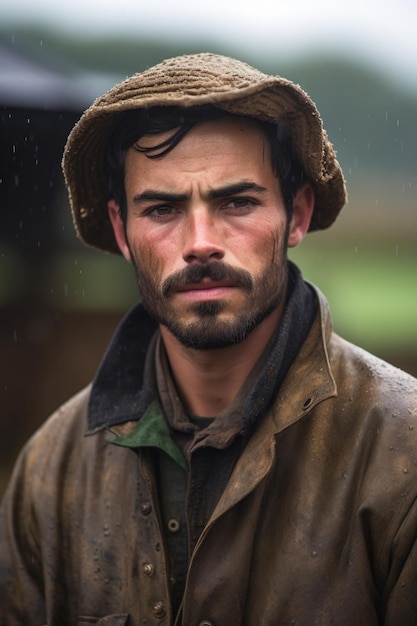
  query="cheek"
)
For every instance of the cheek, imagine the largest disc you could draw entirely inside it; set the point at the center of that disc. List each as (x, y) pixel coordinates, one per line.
(145, 260)
(268, 250)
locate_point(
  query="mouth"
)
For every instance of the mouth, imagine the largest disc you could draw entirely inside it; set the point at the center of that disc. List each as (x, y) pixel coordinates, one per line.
(206, 289)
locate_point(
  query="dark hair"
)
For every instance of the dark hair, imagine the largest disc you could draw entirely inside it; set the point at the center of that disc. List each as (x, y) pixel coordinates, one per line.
(136, 123)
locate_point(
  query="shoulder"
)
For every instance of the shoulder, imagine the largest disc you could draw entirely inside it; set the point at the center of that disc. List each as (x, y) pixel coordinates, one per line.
(55, 444)
(357, 369)
(69, 420)
(377, 403)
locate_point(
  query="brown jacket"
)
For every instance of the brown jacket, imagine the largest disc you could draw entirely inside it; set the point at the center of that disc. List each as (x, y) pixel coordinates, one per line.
(316, 527)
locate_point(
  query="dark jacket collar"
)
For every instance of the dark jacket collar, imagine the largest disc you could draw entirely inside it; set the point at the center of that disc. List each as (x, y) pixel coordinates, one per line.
(118, 393)
(121, 392)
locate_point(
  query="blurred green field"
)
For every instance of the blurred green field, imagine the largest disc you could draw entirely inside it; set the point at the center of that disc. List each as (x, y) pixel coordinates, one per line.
(372, 290)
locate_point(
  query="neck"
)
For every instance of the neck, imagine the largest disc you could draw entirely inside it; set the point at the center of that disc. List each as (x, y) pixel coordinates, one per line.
(208, 380)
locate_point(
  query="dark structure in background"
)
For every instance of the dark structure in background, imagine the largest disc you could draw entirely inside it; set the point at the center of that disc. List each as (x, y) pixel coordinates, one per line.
(40, 102)
(46, 353)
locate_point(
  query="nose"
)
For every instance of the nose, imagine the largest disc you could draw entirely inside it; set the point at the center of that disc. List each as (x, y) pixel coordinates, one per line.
(202, 237)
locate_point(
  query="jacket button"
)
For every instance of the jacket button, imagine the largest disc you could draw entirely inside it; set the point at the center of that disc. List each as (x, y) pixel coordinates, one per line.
(145, 508)
(206, 623)
(148, 569)
(173, 525)
(159, 609)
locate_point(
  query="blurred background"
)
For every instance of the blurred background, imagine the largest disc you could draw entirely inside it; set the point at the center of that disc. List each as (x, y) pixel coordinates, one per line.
(60, 302)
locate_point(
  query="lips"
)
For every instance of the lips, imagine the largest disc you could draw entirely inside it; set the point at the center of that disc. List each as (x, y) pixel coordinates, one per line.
(206, 285)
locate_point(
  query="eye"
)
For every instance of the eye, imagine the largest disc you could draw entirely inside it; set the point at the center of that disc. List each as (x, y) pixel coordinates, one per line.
(161, 212)
(240, 205)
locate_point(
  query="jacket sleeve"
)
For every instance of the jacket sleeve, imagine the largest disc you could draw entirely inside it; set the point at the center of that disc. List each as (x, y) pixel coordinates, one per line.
(21, 579)
(401, 587)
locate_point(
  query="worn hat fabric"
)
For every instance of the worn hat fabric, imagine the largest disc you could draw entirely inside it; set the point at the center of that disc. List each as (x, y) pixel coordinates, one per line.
(187, 81)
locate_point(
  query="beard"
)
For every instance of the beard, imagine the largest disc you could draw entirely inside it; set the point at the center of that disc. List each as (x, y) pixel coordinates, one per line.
(211, 327)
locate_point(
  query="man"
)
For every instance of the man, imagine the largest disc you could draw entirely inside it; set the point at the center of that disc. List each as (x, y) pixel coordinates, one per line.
(234, 461)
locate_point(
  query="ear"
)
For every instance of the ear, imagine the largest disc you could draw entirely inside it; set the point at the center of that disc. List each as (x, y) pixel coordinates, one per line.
(303, 206)
(119, 229)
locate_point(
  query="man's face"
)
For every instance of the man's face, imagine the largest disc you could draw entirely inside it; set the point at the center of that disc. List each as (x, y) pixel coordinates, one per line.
(207, 233)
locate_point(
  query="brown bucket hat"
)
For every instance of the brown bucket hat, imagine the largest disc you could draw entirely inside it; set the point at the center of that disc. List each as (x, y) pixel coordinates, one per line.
(194, 80)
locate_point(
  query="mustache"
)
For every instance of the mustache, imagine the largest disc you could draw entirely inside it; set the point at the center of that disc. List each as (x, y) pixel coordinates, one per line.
(215, 270)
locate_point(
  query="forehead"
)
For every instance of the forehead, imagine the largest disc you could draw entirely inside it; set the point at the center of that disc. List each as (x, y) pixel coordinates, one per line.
(230, 142)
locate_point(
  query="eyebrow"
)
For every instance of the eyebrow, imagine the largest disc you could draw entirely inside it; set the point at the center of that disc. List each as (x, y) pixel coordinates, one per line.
(163, 196)
(236, 188)
(221, 192)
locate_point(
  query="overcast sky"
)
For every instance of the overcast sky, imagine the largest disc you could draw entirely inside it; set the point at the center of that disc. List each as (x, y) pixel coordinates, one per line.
(377, 31)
